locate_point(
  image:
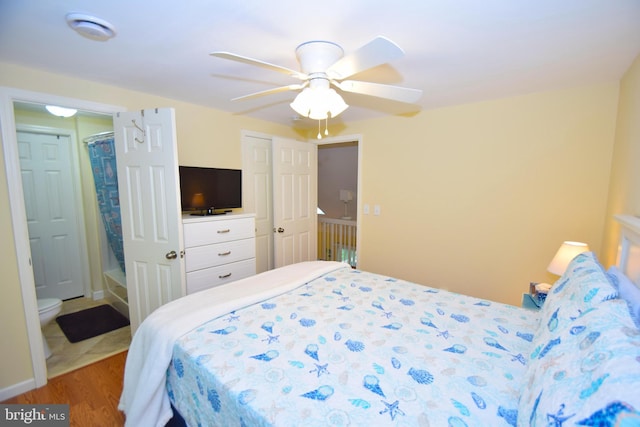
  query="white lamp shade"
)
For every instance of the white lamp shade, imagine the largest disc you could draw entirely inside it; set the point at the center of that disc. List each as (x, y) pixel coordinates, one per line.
(567, 252)
(318, 103)
(346, 195)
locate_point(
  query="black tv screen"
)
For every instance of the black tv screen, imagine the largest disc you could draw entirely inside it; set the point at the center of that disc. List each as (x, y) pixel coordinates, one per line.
(207, 188)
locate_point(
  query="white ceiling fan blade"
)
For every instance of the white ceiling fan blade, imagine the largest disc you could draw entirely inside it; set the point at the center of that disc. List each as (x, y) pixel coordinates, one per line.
(257, 62)
(270, 91)
(378, 51)
(395, 93)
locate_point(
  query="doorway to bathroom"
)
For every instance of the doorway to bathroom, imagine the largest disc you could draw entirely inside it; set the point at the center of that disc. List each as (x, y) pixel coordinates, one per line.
(67, 240)
(60, 201)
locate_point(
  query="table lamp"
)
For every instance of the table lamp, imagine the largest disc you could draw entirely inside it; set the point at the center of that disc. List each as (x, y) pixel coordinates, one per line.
(197, 201)
(567, 252)
(346, 196)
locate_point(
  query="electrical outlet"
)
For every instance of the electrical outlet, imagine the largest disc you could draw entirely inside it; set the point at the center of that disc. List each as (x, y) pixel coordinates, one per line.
(376, 209)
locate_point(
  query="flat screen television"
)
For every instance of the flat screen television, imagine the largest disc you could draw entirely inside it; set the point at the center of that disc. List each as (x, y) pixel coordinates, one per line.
(203, 190)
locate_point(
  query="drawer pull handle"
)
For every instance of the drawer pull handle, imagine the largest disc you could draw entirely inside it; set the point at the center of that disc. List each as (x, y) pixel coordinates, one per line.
(224, 276)
(223, 231)
(224, 253)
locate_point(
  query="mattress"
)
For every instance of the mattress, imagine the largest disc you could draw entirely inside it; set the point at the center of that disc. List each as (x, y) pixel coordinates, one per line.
(355, 348)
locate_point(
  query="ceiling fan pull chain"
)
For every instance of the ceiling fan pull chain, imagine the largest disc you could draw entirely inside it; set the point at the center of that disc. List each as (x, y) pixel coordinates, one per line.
(326, 126)
(319, 135)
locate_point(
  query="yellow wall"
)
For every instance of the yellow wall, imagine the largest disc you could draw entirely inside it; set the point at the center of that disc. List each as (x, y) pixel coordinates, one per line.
(16, 357)
(624, 189)
(206, 137)
(477, 198)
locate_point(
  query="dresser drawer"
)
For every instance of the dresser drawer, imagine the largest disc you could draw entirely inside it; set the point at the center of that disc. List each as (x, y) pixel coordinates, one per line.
(204, 233)
(215, 276)
(199, 257)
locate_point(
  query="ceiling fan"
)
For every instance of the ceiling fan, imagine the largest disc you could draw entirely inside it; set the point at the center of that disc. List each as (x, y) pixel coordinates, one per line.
(323, 64)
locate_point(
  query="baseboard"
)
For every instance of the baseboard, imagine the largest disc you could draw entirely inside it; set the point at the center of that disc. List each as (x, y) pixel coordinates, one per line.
(97, 295)
(16, 389)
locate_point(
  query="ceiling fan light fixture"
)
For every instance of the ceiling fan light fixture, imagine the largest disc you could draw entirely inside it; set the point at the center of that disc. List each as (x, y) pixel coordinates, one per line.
(318, 103)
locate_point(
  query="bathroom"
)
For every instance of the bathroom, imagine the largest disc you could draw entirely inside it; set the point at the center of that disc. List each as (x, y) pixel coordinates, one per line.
(90, 287)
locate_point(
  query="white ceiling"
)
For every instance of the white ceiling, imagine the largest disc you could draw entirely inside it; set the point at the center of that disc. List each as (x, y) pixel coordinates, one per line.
(456, 51)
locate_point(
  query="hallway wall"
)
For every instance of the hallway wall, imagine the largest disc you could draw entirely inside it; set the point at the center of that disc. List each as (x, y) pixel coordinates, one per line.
(337, 170)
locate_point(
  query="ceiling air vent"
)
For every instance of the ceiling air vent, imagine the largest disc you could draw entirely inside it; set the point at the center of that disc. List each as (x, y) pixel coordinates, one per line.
(91, 27)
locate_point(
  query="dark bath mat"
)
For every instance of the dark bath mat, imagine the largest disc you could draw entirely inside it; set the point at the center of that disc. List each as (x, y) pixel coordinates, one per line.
(91, 322)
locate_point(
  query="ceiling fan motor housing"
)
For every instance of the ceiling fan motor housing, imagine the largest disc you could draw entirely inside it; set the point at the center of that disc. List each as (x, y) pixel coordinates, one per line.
(318, 56)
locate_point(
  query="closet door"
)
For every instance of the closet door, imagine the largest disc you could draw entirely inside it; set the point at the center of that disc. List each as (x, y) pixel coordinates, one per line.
(150, 203)
(257, 195)
(295, 200)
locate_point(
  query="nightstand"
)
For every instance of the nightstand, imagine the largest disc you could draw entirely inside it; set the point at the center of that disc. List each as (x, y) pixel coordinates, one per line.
(530, 303)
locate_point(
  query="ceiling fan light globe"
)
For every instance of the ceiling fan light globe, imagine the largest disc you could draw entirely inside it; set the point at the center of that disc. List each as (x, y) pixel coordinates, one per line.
(302, 103)
(335, 103)
(318, 103)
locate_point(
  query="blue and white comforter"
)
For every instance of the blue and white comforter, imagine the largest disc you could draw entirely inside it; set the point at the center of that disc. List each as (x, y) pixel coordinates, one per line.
(355, 348)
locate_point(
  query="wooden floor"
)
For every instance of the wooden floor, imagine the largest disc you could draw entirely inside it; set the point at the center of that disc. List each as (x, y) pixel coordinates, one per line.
(92, 393)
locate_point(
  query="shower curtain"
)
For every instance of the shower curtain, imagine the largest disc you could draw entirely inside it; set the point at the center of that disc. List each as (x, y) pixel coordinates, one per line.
(103, 164)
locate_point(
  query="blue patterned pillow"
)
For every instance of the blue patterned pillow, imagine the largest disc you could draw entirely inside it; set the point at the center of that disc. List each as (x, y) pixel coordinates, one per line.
(583, 286)
(588, 374)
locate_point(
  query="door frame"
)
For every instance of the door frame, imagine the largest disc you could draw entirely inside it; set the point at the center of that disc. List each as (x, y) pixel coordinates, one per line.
(77, 194)
(18, 214)
(328, 140)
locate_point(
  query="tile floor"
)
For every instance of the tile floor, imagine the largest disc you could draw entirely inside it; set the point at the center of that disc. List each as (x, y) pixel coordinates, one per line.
(66, 356)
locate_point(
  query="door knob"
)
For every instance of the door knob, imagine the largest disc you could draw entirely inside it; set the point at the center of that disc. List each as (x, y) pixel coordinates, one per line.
(171, 255)
(280, 230)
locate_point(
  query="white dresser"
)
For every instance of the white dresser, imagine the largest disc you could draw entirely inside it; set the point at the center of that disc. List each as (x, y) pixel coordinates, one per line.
(218, 249)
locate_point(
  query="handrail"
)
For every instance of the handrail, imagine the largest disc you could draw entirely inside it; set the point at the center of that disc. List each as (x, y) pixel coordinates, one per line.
(337, 240)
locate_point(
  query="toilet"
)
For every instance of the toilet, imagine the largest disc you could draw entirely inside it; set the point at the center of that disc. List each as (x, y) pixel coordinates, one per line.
(48, 309)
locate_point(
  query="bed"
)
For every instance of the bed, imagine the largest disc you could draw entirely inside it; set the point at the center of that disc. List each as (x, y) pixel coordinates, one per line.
(322, 344)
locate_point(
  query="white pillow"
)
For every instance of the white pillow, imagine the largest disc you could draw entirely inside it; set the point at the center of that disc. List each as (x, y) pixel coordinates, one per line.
(627, 291)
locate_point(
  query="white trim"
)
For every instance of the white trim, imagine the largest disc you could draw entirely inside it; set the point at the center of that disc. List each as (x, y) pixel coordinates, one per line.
(254, 134)
(16, 389)
(629, 247)
(98, 295)
(18, 215)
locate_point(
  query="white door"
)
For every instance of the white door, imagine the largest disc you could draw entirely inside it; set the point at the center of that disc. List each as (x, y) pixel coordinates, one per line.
(257, 195)
(151, 215)
(48, 187)
(295, 200)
